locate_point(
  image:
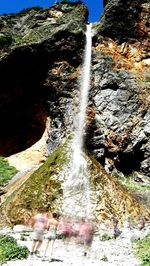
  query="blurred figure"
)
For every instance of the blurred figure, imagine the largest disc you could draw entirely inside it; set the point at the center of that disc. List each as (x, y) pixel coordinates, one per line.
(116, 232)
(76, 227)
(141, 223)
(51, 235)
(127, 223)
(65, 229)
(39, 224)
(86, 234)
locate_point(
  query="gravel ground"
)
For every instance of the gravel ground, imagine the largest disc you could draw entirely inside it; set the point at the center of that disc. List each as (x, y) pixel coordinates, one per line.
(117, 252)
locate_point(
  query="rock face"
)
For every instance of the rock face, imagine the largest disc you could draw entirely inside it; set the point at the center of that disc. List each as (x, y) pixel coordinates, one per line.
(125, 20)
(120, 90)
(42, 51)
(41, 58)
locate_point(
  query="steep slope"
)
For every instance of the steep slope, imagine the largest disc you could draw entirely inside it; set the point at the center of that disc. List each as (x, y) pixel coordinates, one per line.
(44, 188)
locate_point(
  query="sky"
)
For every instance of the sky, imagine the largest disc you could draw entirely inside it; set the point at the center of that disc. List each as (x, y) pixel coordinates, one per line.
(13, 6)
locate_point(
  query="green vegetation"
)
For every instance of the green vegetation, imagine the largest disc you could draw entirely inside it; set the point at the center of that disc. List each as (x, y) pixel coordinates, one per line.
(71, 69)
(5, 40)
(140, 191)
(105, 237)
(142, 250)
(9, 250)
(6, 171)
(41, 190)
(24, 11)
(23, 237)
(104, 258)
(71, 3)
(17, 39)
(133, 186)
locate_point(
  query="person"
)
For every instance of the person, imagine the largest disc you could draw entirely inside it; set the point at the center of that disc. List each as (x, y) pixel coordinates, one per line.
(39, 224)
(127, 223)
(76, 227)
(51, 235)
(141, 223)
(65, 230)
(86, 234)
(116, 231)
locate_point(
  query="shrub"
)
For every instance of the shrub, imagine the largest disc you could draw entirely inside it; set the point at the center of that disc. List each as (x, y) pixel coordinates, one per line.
(22, 237)
(104, 258)
(24, 11)
(142, 250)
(6, 171)
(9, 250)
(105, 237)
(59, 236)
(5, 40)
(7, 239)
(69, 2)
(146, 259)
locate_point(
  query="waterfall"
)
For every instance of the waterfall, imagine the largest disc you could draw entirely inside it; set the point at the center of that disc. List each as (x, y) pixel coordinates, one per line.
(76, 188)
(84, 87)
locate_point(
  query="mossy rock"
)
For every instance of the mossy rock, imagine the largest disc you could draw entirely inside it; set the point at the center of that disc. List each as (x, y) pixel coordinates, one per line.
(111, 198)
(44, 189)
(41, 190)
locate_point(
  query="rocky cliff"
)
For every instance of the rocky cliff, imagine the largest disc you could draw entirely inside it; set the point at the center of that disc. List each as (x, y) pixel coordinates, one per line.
(120, 87)
(41, 59)
(39, 56)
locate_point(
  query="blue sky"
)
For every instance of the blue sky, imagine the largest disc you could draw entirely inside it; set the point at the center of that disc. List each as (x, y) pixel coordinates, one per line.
(13, 6)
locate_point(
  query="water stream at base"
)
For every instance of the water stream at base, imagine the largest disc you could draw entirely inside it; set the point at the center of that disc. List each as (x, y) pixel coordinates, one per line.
(76, 188)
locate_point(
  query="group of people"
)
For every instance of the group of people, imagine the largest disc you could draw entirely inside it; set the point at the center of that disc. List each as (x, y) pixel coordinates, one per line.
(127, 224)
(49, 227)
(81, 229)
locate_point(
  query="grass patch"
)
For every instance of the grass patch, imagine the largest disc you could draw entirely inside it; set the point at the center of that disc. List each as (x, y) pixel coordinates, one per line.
(6, 171)
(142, 250)
(9, 250)
(133, 186)
(139, 190)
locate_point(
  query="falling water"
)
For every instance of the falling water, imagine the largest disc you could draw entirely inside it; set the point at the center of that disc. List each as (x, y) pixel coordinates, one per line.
(84, 88)
(76, 187)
